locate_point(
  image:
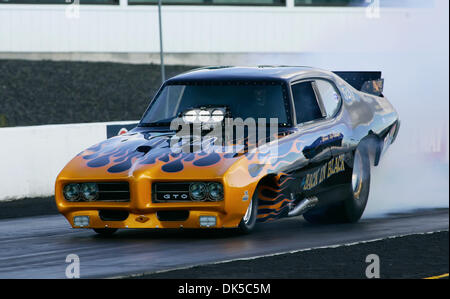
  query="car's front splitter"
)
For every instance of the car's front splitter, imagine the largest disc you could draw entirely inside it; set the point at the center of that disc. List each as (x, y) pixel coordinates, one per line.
(195, 219)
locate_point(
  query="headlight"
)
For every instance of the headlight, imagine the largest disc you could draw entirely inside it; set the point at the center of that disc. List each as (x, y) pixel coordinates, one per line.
(89, 191)
(217, 115)
(215, 191)
(71, 192)
(198, 191)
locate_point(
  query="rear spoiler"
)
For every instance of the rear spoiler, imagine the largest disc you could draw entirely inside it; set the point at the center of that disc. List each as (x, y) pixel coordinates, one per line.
(368, 82)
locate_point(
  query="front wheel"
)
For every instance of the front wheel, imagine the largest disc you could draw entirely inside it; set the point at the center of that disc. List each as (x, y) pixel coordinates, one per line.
(248, 222)
(105, 231)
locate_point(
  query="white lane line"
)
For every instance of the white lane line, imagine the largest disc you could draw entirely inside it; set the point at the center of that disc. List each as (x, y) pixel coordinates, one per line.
(277, 254)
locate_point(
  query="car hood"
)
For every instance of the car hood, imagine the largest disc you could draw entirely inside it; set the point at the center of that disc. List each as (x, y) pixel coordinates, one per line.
(148, 153)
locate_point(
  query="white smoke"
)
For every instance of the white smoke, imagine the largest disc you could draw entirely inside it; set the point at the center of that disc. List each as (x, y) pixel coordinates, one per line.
(407, 182)
(414, 173)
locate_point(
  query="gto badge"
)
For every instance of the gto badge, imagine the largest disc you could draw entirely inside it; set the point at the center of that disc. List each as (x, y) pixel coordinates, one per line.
(175, 196)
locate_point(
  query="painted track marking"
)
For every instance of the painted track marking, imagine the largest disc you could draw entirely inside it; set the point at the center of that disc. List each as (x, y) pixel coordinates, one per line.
(438, 277)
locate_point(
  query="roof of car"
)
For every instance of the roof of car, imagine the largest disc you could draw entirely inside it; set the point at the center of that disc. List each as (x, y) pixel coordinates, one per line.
(229, 73)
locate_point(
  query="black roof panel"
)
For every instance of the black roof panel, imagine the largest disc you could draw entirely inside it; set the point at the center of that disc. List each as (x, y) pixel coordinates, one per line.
(230, 73)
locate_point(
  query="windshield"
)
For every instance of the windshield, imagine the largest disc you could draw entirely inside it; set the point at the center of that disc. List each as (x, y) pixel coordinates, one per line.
(242, 99)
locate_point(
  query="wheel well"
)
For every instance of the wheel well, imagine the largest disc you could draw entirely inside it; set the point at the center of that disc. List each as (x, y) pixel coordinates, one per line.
(269, 181)
(271, 196)
(373, 145)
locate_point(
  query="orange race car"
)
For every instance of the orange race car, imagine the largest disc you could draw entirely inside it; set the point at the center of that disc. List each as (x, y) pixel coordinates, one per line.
(225, 147)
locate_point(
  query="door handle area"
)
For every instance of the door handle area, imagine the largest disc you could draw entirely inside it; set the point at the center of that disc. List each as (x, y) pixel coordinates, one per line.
(322, 143)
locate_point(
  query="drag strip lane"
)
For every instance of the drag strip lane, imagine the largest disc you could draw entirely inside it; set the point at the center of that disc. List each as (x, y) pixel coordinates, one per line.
(37, 247)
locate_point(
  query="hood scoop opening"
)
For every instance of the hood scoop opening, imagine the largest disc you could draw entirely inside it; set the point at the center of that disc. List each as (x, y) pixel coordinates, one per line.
(143, 149)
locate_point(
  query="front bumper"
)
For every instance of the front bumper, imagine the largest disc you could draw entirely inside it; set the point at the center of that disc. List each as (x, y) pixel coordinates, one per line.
(143, 213)
(150, 220)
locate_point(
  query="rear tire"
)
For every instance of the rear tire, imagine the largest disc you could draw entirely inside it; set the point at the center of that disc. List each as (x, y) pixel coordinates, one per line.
(105, 231)
(248, 222)
(355, 203)
(355, 199)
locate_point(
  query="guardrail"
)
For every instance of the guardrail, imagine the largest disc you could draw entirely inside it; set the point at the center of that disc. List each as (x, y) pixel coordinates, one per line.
(32, 157)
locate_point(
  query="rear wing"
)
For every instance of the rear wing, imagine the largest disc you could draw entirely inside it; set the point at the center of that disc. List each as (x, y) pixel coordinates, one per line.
(368, 82)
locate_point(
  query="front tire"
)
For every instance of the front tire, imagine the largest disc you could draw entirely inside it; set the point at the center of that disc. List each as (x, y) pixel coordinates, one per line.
(248, 222)
(355, 198)
(105, 231)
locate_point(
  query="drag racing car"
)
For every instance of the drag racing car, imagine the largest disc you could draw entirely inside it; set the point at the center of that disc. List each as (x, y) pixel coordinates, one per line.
(227, 147)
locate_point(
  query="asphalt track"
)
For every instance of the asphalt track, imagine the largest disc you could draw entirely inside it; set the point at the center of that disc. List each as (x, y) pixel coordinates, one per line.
(36, 247)
(408, 257)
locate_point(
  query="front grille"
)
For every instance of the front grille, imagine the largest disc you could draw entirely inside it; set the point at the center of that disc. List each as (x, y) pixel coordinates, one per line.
(163, 192)
(170, 192)
(115, 192)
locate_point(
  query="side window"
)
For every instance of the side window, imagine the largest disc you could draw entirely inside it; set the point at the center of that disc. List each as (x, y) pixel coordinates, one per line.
(330, 97)
(305, 101)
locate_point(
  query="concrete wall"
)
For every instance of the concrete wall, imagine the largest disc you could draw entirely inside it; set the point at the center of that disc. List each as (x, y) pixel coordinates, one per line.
(32, 157)
(216, 29)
